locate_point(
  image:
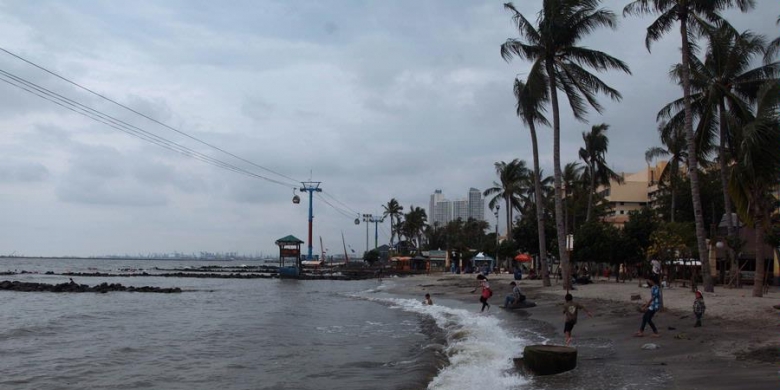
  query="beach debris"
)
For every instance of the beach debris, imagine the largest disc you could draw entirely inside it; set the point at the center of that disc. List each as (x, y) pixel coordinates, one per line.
(776, 307)
(682, 336)
(636, 297)
(548, 359)
(651, 346)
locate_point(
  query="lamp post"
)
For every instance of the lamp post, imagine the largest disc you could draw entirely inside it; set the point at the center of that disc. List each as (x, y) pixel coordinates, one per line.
(569, 249)
(498, 206)
(310, 187)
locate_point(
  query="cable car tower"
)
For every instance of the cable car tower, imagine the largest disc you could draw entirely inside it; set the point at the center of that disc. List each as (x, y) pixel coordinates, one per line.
(310, 187)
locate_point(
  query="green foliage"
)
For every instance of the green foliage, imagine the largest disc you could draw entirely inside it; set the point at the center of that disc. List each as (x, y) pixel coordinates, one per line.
(371, 256)
(672, 240)
(640, 226)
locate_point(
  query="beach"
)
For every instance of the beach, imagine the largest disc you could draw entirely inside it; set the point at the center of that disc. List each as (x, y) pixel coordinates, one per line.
(736, 348)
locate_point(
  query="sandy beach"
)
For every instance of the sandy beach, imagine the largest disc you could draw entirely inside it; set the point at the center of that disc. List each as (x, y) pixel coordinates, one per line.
(736, 348)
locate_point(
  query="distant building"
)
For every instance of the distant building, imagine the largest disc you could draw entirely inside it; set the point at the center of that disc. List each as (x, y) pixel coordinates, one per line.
(443, 211)
(638, 190)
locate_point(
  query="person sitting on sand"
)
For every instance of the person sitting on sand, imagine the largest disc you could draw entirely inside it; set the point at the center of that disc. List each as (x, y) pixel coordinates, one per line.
(650, 308)
(427, 300)
(570, 311)
(698, 308)
(515, 298)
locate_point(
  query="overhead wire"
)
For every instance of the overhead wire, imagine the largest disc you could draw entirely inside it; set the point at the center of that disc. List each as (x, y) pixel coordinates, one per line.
(144, 115)
(120, 125)
(148, 136)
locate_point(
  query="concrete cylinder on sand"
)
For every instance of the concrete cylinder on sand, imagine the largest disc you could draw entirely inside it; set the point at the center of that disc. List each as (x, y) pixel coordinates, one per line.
(548, 359)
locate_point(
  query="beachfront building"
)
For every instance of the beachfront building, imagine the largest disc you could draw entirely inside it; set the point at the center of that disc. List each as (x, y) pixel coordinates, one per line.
(443, 211)
(638, 189)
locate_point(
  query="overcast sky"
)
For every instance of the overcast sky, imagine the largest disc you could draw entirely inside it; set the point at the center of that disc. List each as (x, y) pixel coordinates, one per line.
(375, 99)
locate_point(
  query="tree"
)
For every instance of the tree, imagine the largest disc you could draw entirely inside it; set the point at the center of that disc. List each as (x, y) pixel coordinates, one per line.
(757, 171)
(393, 210)
(371, 257)
(674, 140)
(774, 47)
(513, 179)
(552, 46)
(693, 16)
(530, 107)
(573, 186)
(723, 88)
(413, 225)
(594, 155)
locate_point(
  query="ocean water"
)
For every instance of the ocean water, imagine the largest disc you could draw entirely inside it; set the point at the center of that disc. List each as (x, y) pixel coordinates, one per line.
(252, 334)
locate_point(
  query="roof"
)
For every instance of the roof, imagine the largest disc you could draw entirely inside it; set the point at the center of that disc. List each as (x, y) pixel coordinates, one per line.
(289, 240)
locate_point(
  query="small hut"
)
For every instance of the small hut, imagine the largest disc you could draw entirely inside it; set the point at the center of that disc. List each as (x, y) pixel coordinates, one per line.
(289, 249)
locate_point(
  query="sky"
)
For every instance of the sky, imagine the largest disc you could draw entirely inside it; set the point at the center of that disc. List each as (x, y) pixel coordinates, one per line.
(374, 99)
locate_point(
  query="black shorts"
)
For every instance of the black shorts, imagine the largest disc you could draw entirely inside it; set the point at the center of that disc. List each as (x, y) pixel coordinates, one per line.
(568, 326)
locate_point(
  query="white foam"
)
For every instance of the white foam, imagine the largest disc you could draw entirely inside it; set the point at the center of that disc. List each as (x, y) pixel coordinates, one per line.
(480, 351)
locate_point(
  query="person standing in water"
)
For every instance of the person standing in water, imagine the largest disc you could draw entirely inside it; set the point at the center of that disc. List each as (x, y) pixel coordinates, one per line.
(486, 292)
(427, 300)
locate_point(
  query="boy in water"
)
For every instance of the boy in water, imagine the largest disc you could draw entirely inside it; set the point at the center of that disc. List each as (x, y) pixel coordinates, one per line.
(486, 291)
(698, 308)
(570, 311)
(427, 300)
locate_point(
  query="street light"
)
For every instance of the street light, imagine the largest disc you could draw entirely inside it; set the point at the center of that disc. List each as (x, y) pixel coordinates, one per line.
(569, 249)
(498, 206)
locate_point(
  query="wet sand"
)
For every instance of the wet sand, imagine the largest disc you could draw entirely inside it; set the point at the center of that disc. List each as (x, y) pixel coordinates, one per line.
(737, 347)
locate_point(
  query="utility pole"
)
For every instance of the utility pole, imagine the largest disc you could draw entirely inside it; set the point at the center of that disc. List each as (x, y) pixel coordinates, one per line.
(376, 222)
(311, 187)
(367, 218)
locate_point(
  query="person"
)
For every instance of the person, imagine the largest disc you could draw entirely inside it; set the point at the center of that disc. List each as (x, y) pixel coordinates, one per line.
(656, 266)
(486, 292)
(515, 297)
(427, 300)
(570, 311)
(650, 308)
(698, 308)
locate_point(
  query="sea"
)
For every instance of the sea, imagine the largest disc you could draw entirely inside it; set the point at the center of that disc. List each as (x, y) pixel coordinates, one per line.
(235, 334)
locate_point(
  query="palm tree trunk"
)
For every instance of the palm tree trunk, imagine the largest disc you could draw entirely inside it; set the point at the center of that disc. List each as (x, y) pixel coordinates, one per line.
(693, 164)
(758, 278)
(563, 255)
(673, 186)
(724, 182)
(539, 209)
(590, 193)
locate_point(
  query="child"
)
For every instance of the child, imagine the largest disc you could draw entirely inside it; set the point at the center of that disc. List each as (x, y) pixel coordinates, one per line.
(650, 308)
(570, 310)
(486, 292)
(698, 308)
(427, 300)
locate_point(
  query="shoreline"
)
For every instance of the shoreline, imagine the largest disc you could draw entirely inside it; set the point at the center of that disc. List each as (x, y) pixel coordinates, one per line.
(736, 348)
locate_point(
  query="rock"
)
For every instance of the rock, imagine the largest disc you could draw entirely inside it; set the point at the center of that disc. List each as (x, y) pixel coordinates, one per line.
(548, 359)
(651, 346)
(636, 297)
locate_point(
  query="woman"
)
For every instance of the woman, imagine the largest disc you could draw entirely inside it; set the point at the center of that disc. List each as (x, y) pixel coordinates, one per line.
(486, 291)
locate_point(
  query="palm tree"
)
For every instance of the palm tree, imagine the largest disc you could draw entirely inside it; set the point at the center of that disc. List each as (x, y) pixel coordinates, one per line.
(676, 150)
(757, 170)
(552, 46)
(414, 225)
(594, 155)
(692, 15)
(393, 210)
(723, 89)
(513, 179)
(530, 109)
(774, 47)
(572, 181)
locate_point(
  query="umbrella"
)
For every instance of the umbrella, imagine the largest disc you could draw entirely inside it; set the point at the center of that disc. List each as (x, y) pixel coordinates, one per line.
(523, 258)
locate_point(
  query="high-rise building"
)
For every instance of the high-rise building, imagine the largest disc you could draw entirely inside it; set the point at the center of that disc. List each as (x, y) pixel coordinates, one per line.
(442, 210)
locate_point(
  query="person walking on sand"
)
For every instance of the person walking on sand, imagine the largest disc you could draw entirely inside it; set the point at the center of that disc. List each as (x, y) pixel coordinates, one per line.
(570, 311)
(650, 308)
(698, 308)
(427, 300)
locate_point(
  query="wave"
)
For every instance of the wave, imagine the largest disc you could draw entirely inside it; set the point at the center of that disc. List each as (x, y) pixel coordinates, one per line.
(478, 352)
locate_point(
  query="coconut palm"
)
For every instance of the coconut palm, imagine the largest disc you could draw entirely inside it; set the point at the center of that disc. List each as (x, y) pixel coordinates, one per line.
(393, 210)
(513, 179)
(693, 16)
(530, 107)
(757, 170)
(414, 225)
(774, 47)
(677, 153)
(594, 155)
(572, 182)
(552, 45)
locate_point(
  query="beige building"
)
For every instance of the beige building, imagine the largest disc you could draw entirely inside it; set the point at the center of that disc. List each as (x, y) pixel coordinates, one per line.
(637, 190)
